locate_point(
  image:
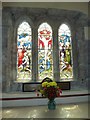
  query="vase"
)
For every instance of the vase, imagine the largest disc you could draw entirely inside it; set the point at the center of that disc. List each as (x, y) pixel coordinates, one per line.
(51, 104)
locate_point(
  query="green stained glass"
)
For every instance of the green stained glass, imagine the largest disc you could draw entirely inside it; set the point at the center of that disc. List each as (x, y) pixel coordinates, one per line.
(24, 50)
(45, 62)
(65, 52)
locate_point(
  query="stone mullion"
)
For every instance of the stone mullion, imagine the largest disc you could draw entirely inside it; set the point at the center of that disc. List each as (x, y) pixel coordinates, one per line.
(35, 55)
(56, 70)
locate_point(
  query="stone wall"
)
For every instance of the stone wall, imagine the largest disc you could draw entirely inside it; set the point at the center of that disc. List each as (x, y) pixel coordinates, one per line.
(0, 48)
(12, 17)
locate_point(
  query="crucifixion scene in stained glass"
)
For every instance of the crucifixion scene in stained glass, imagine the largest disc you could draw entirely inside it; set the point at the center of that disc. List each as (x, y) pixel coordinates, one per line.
(24, 49)
(45, 62)
(65, 52)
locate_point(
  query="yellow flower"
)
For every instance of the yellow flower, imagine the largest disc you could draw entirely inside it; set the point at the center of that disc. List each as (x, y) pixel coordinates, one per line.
(48, 85)
(53, 84)
(44, 84)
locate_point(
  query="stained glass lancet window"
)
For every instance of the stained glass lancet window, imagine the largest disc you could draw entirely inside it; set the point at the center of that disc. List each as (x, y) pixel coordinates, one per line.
(45, 62)
(24, 52)
(65, 53)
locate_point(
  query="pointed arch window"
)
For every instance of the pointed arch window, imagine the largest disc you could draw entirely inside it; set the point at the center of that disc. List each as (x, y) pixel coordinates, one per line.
(65, 53)
(24, 52)
(45, 61)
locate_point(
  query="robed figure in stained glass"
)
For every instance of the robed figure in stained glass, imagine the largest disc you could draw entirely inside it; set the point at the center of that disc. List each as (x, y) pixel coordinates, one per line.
(65, 52)
(24, 50)
(45, 51)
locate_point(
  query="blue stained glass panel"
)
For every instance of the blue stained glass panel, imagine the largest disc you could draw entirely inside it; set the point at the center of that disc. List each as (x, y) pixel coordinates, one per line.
(65, 53)
(24, 52)
(45, 51)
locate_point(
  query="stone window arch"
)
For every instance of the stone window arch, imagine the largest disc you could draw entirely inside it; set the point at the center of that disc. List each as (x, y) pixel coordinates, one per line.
(65, 52)
(24, 52)
(45, 56)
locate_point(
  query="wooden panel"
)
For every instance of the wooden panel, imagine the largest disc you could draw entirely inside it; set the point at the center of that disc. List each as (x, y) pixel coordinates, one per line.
(31, 87)
(64, 85)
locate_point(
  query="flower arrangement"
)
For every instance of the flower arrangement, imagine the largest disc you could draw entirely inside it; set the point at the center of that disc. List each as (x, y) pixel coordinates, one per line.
(50, 90)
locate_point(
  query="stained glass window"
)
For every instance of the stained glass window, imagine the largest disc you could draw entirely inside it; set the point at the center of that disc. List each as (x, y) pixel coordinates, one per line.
(65, 52)
(24, 52)
(45, 62)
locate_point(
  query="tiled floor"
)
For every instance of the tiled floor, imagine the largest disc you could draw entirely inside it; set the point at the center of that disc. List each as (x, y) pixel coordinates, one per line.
(78, 110)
